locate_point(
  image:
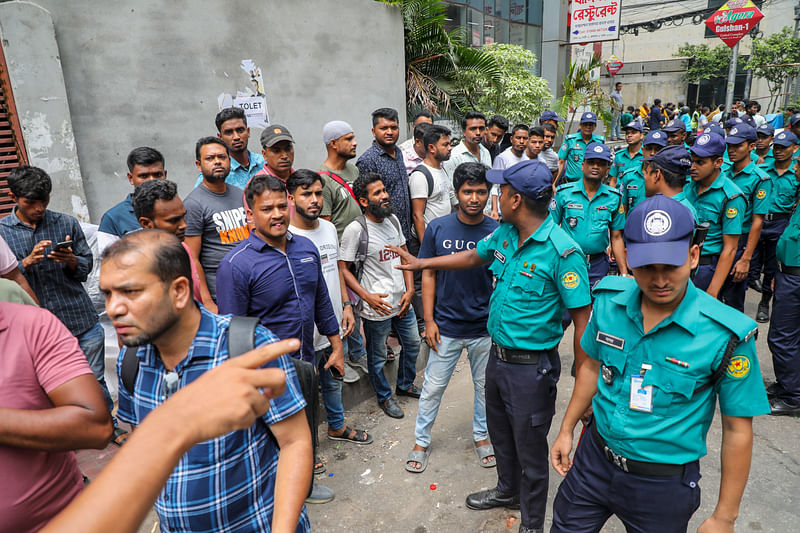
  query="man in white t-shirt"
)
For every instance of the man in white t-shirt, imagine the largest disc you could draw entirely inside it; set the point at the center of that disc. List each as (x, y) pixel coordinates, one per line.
(429, 189)
(508, 158)
(305, 194)
(385, 291)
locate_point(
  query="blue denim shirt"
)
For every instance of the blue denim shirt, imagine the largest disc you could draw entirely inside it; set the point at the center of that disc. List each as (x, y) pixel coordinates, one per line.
(120, 219)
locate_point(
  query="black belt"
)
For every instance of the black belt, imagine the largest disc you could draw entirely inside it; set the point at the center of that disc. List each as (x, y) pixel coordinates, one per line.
(592, 257)
(794, 271)
(632, 466)
(776, 216)
(520, 357)
(708, 259)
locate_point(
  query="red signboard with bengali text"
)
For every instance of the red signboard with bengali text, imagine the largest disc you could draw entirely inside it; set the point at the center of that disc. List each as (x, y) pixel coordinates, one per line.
(614, 65)
(733, 20)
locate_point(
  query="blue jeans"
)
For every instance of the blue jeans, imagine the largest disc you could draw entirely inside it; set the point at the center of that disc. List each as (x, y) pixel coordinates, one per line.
(441, 365)
(353, 344)
(93, 345)
(376, 332)
(331, 391)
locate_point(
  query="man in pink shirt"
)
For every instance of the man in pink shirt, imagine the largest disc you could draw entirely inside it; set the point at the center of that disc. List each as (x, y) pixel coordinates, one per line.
(50, 404)
(9, 269)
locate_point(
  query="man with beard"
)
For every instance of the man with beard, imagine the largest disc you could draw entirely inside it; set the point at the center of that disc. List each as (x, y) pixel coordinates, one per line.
(385, 293)
(548, 155)
(232, 126)
(215, 217)
(157, 206)
(277, 146)
(238, 482)
(385, 158)
(339, 205)
(496, 129)
(277, 276)
(589, 211)
(429, 188)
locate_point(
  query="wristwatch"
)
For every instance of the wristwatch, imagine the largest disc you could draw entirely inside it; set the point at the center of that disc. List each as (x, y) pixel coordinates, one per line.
(345, 304)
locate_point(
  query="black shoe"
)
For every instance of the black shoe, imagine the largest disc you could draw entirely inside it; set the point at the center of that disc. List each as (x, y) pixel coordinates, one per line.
(391, 408)
(773, 390)
(783, 408)
(413, 392)
(763, 313)
(491, 498)
(755, 285)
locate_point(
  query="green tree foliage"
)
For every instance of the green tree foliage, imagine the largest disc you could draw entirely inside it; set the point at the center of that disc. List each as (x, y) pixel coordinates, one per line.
(582, 90)
(435, 59)
(517, 94)
(772, 59)
(705, 63)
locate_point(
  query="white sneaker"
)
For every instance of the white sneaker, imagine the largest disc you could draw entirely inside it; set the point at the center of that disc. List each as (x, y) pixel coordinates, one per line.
(360, 363)
(350, 375)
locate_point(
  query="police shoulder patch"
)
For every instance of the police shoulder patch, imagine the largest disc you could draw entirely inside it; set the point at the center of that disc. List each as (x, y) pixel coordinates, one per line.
(731, 212)
(761, 194)
(570, 280)
(739, 367)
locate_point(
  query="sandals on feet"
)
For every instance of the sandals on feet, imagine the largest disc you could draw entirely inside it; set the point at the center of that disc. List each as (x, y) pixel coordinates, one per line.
(119, 437)
(359, 436)
(484, 452)
(418, 456)
(319, 466)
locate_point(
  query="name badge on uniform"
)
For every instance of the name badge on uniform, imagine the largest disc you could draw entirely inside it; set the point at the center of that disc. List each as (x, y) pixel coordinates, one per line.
(306, 259)
(500, 257)
(574, 206)
(610, 340)
(641, 396)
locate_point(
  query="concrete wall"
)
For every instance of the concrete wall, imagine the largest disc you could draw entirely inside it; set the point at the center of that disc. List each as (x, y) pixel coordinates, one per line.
(149, 72)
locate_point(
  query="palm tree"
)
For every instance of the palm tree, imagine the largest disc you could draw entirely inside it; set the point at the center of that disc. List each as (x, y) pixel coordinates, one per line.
(434, 57)
(581, 90)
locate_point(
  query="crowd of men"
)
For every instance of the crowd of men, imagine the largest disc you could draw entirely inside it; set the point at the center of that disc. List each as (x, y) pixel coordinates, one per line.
(493, 245)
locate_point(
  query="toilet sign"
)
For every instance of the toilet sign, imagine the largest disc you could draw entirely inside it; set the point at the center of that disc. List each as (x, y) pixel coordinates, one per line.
(255, 109)
(614, 65)
(733, 20)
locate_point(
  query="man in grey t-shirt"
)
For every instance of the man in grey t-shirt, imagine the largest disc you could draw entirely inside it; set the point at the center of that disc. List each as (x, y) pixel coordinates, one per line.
(215, 217)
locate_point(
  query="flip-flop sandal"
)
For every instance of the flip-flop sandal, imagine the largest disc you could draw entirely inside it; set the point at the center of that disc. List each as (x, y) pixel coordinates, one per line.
(359, 436)
(319, 466)
(119, 437)
(418, 456)
(484, 452)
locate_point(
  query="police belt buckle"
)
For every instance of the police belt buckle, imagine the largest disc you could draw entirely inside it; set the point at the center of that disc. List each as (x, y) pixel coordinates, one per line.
(618, 460)
(520, 357)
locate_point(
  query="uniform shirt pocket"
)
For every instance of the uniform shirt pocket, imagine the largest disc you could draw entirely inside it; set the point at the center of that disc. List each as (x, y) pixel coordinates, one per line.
(601, 220)
(672, 389)
(528, 282)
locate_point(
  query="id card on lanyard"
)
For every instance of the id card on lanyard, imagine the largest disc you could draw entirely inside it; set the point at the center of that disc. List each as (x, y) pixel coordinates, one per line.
(641, 398)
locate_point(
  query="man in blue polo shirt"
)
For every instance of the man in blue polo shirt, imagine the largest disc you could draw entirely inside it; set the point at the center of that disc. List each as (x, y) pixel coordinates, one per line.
(232, 126)
(144, 163)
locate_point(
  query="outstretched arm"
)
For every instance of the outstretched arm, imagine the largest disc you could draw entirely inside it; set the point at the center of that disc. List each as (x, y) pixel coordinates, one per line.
(460, 261)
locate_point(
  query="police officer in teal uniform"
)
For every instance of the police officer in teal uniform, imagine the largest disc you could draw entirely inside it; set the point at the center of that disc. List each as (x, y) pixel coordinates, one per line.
(592, 213)
(631, 185)
(720, 203)
(661, 352)
(539, 271)
(665, 173)
(782, 198)
(570, 155)
(755, 185)
(763, 150)
(784, 327)
(676, 132)
(625, 160)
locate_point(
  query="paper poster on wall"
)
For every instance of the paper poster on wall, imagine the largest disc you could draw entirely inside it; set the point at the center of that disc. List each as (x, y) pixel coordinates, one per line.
(255, 109)
(256, 80)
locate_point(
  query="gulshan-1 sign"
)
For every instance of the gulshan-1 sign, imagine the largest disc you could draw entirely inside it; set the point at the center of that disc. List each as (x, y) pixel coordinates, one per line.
(733, 20)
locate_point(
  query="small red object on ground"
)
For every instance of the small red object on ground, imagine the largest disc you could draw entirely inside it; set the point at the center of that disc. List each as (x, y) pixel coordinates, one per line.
(433, 486)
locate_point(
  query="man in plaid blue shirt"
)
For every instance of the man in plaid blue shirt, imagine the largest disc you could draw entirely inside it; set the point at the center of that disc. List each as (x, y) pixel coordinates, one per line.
(247, 480)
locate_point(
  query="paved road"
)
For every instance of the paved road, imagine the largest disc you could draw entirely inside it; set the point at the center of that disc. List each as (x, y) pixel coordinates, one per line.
(375, 493)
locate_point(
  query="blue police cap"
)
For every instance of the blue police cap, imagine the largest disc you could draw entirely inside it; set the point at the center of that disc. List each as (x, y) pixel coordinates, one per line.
(597, 151)
(765, 129)
(658, 231)
(633, 125)
(714, 127)
(655, 137)
(675, 124)
(785, 138)
(550, 115)
(795, 119)
(529, 177)
(589, 117)
(708, 145)
(740, 133)
(731, 122)
(674, 159)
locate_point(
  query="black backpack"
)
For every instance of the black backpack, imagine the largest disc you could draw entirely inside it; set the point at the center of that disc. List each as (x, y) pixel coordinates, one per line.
(357, 266)
(428, 177)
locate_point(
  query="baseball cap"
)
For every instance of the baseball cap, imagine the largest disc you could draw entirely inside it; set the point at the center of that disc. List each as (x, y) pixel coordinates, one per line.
(731, 122)
(714, 127)
(655, 137)
(674, 159)
(550, 115)
(765, 129)
(708, 145)
(675, 124)
(658, 231)
(785, 138)
(741, 133)
(589, 117)
(335, 129)
(275, 133)
(597, 151)
(633, 125)
(795, 119)
(529, 177)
